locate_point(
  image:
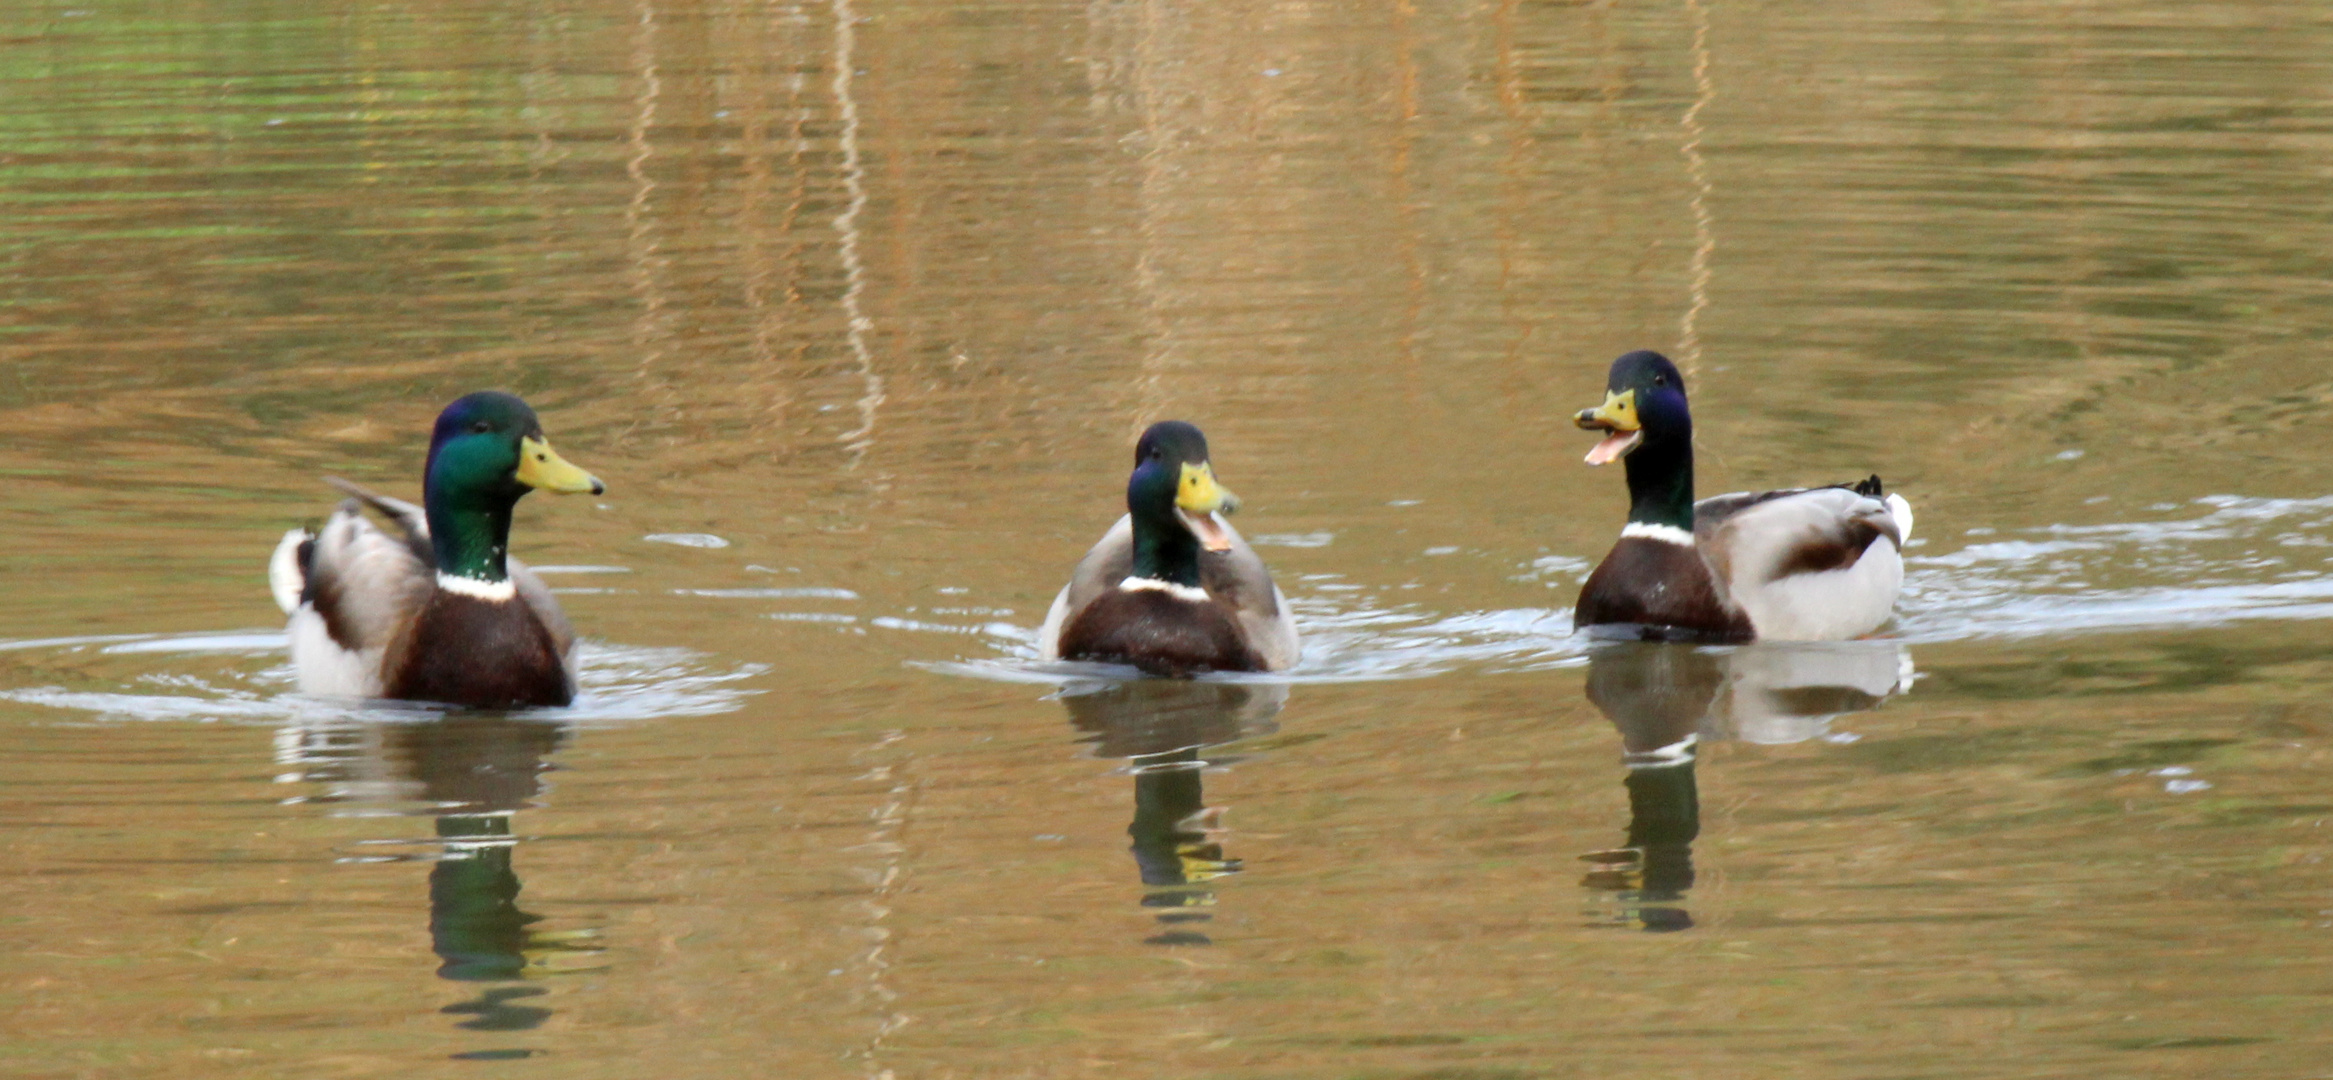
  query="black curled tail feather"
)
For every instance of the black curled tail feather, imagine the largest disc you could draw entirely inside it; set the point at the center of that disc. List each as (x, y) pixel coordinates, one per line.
(1868, 487)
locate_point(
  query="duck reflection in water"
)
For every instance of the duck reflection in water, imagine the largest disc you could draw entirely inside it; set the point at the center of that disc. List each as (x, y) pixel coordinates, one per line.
(1162, 727)
(472, 771)
(1667, 699)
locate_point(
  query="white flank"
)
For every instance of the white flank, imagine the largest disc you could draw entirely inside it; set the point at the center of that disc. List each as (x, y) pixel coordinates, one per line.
(496, 591)
(1833, 605)
(326, 669)
(1180, 592)
(1667, 534)
(1049, 635)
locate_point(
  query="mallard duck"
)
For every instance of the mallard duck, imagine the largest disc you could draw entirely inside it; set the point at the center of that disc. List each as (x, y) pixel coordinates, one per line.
(1172, 588)
(1805, 564)
(438, 612)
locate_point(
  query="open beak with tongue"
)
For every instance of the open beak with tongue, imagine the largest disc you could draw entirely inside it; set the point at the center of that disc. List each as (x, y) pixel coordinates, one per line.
(1616, 418)
(1198, 499)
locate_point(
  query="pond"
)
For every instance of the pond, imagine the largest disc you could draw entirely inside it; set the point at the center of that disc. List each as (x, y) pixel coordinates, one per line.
(858, 308)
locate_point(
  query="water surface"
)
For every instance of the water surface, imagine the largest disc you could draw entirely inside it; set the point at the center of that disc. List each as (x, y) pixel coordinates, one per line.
(858, 307)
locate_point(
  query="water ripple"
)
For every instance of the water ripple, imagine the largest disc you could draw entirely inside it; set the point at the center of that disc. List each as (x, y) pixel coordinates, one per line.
(1346, 639)
(2246, 558)
(616, 684)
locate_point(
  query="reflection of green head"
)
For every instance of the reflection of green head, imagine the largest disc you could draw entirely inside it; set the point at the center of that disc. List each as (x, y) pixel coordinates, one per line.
(474, 920)
(1169, 848)
(1163, 727)
(486, 452)
(1172, 849)
(1664, 817)
(477, 769)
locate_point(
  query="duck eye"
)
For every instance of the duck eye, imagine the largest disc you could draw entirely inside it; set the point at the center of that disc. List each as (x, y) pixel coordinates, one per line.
(481, 427)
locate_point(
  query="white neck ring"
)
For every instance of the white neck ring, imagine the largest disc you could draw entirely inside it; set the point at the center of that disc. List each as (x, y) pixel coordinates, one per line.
(1667, 534)
(1181, 592)
(469, 586)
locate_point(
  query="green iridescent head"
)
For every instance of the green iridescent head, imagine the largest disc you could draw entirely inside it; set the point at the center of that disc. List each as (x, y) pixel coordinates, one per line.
(488, 451)
(1174, 500)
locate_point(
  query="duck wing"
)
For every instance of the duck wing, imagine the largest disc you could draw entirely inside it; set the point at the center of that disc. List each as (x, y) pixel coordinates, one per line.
(1238, 580)
(350, 590)
(1712, 513)
(364, 583)
(1108, 563)
(1808, 563)
(410, 520)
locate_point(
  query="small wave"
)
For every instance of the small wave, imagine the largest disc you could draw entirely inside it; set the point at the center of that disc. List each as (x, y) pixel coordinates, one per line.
(71, 643)
(1294, 540)
(1003, 630)
(2246, 559)
(1347, 639)
(803, 593)
(626, 683)
(2243, 559)
(695, 540)
(250, 641)
(616, 684)
(1362, 642)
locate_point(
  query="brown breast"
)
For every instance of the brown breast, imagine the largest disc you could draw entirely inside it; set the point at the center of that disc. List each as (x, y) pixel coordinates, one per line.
(463, 650)
(1663, 590)
(1158, 632)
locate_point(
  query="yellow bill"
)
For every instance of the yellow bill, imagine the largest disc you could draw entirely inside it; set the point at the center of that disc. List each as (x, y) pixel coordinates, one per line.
(1616, 417)
(541, 467)
(1199, 498)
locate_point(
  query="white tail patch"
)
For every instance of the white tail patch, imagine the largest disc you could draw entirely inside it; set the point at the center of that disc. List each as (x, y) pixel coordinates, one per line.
(326, 669)
(284, 577)
(496, 591)
(1902, 511)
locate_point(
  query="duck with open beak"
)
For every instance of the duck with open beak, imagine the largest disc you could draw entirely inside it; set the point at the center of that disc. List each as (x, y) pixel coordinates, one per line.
(1616, 418)
(1201, 504)
(1806, 564)
(1172, 588)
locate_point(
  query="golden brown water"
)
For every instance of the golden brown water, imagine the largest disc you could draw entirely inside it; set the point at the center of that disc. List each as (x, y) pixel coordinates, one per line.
(858, 306)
